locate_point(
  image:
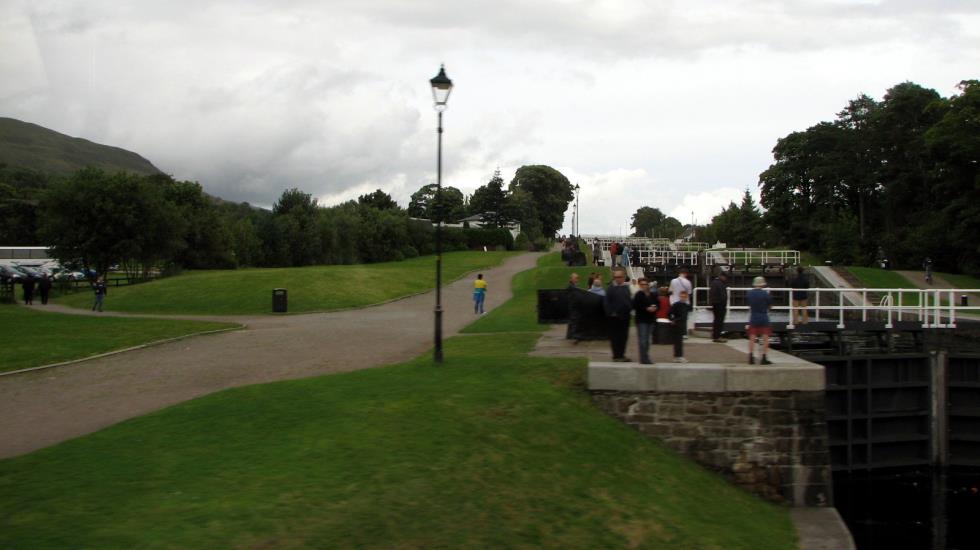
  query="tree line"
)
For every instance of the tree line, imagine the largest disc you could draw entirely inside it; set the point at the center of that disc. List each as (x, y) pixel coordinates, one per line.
(897, 178)
(98, 219)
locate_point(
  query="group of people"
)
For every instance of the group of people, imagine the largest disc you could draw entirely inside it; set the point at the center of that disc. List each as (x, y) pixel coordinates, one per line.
(620, 255)
(647, 307)
(671, 305)
(42, 285)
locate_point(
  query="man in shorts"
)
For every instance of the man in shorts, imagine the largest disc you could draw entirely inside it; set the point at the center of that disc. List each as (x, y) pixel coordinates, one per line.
(760, 302)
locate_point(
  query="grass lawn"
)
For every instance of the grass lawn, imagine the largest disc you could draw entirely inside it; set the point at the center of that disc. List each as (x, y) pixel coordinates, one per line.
(872, 277)
(34, 338)
(960, 281)
(492, 449)
(520, 312)
(314, 288)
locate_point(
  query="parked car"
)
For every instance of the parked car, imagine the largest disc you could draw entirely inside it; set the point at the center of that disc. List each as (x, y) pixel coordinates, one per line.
(10, 273)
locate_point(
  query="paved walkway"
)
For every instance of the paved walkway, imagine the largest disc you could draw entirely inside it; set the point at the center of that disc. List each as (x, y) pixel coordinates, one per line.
(41, 408)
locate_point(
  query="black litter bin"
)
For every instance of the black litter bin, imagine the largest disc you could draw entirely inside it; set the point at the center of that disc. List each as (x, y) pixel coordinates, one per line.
(964, 300)
(279, 302)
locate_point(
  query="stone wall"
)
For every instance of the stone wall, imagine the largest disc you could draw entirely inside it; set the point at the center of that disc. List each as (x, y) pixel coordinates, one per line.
(772, 443)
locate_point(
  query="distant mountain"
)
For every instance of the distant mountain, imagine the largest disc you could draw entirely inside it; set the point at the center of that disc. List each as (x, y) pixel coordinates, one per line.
(32, 147)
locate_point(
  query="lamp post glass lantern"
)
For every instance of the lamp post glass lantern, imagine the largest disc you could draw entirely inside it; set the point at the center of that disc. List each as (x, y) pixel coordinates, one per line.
(441, 88)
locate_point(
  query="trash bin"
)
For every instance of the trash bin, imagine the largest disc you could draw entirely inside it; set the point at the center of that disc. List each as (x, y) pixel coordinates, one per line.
(964, 300)
(279, 303)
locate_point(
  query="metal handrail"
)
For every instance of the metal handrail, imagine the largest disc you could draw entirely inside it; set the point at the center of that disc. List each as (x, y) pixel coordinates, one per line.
(753, 257)
(931, 307)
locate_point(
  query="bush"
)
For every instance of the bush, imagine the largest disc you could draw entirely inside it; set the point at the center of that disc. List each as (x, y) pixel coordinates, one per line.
(543, 244)
(522, 242)
(491, 238)
(409, 252)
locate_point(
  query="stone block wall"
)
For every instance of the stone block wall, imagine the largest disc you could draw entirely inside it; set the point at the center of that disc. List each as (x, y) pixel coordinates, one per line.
(771, 443)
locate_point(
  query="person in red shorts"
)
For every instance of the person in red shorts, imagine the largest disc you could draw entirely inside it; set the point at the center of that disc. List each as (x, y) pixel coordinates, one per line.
(760, 302)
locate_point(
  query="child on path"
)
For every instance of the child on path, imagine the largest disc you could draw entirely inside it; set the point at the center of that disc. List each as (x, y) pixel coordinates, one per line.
(479, 294)
(760, 302)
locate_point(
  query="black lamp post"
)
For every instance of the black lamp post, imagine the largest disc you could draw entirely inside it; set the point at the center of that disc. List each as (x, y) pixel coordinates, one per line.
(576, 220)
(441, 87)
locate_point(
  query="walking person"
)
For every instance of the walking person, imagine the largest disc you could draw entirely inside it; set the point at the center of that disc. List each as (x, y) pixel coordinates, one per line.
(44, 288)
(645, 306)
(479, 294)
(678, 324)
(618, 304)
(927, 267)
(718, 298)
(678, 285)
(101, 290)
(596, 287)
(760, 302)
(800, 296)
(28, 284)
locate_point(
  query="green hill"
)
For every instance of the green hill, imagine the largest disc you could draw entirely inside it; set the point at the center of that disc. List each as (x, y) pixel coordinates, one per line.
(32, 147)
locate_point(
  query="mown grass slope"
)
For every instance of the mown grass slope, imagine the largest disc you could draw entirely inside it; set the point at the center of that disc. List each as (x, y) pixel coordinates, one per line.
(314, 288)
(33, 338)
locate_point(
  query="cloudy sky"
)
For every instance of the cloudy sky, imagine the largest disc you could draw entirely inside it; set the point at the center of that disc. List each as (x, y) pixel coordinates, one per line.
(670, 104)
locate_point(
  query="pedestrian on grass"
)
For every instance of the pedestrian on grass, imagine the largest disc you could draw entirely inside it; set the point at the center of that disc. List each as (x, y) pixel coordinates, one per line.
(678, 322)
(479, 294)
(645, 306)
(44, 288)
(101, 290)
(618, 304)
(718, 298)
(760, 302)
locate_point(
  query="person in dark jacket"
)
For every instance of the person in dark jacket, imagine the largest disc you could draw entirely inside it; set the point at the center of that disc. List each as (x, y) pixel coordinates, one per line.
(44, 287)
(678, 324)
(718, 298)
(800, 285)
(618, 303)
(101, 290)
(28, 284)
(645, 306)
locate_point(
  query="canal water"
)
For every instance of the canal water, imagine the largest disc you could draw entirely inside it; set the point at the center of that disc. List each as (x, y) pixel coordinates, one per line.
(909, 508)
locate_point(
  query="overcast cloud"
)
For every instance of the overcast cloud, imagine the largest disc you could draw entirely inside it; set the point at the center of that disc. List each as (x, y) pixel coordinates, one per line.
(670, 104)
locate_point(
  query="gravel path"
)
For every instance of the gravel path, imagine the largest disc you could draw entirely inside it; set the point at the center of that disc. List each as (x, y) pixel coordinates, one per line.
(44, 407)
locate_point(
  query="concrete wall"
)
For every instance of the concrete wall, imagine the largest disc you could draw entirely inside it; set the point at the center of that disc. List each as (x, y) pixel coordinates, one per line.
(763, 428)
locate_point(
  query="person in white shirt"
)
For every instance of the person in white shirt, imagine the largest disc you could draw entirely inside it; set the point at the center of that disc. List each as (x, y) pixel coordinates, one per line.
(680, 284)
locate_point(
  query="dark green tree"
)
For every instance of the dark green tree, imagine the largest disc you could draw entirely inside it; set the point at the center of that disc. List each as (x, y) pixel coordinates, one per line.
(648, 221)
(99, 219)
(491, 201)
(379, 199)
(551, 193)
(449, 208)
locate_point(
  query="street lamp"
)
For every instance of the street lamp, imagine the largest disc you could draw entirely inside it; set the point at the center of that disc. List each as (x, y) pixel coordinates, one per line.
(441, 88)
(576, 221)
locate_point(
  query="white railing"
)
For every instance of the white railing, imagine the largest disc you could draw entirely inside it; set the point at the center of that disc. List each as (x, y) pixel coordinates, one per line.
(933, 308)
(753, 257)
(668, 257)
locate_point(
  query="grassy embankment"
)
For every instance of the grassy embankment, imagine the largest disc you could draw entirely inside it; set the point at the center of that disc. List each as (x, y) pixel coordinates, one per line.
(314, 288)
(34, 338)
(494, 448)
(873, 277)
